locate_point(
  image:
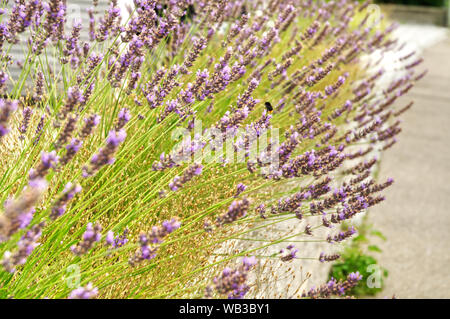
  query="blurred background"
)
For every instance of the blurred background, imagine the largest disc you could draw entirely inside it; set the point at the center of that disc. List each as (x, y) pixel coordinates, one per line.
(415, 219)
(417, 11)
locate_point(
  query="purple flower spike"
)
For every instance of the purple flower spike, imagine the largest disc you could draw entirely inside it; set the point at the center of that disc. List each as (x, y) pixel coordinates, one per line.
(188, 174)
(171, 225)
(71, 149)
(25, 247)
(249, 261)
(116, 241)
(6, 109)
(48, 160)
(291, 253)
(334, 288)
(324, 258)
(105, 155)
(239, 189)
(232, 283)
(87, 292)
(60, 205)
(116, 137)
(237, 209)
(25, 122)
(89, 238)
(150, 242)
(124, 117)
(90, 122)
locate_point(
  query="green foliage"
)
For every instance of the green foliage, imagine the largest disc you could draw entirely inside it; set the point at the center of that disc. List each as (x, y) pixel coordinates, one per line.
(354, 259)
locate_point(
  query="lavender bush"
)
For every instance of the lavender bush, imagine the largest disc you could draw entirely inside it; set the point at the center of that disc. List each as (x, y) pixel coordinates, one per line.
(140, 146)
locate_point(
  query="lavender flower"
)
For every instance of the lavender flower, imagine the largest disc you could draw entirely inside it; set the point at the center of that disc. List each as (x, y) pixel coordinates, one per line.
(123, 118)
(72, 42)
(236, 28)
(341, 236)
(232, 283)
(90, 237)
(93, 62)
(106, 23)
(74, 99)
(245, 99)
(25, 247)
(334, 288)
(237, 210)
(280, 69)
(66, 132)
(188, 174)
(264, 45)
(324, 258)
(150, 242)
(87, 292)
(197, 47)
(145, 252)
(39, 86)
(261, 210)
(3, 79)
(239, 189)
(329, 90)
(105, 155)
(25, 121)
(18, 213)
(116, 241)
(157, 234)
(132, 60)
(60, 205)
(184, 152)
(6, 108)
(71, 150)
(90, 12)
(54, 22)
(48, 160)
(288, 254)
(90, 123)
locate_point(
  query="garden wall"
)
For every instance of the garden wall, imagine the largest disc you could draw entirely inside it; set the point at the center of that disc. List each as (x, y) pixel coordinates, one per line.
(416, 14)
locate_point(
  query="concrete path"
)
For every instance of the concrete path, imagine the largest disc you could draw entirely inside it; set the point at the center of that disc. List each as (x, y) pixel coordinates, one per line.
(415, 218)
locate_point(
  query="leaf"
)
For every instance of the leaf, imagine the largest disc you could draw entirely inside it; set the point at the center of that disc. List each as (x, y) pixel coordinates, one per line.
(360, 238)
(378, 234)
(374, 248)
(3, 293)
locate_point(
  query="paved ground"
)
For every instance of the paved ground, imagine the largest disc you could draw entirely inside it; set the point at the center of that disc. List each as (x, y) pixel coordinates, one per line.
(416, 216)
